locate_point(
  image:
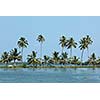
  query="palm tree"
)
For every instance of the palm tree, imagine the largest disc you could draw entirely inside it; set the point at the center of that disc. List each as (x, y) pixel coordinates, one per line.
(15, 55)
(71, 44)
(89, 42)
(64, 57)
(75, 60)
(40, 39)
(46, 59)
(83, 46)
(55, 57)
(31, 59)
(5, 58)
(63, 42)
(92, 59)
(98, 61)
(22, 43)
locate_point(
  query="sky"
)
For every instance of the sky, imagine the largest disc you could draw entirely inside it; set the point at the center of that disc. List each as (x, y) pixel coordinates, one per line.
(52, 28)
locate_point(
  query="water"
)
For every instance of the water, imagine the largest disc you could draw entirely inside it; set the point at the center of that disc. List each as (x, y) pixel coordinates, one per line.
(53, 75)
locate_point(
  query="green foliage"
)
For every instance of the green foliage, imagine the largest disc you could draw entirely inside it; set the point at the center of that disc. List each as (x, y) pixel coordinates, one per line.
(22, 43)
(15, 55)
(63, 42)
(41, 38)
(5, 58)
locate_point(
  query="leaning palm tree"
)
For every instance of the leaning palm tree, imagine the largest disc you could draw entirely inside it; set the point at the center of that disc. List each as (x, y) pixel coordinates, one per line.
(83, 46)
(31, 59)
(15, 55)
(41, 39)
(5, 58)
(22, 43)
(89, 42)
(63, 42)
(71, 44)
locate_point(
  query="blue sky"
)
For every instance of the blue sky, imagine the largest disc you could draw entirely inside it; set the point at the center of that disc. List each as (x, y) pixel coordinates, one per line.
(12, 28)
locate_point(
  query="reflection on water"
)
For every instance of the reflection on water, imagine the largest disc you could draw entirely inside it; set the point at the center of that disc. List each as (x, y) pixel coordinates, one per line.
(50, 75)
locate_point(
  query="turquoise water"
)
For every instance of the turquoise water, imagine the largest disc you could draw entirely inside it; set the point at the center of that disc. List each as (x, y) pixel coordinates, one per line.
(58, 75)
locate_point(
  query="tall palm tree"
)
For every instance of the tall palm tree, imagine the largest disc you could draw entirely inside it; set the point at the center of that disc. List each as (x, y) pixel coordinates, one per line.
(83, 46)
(15, 55)
(41, 39)
(31, 59)
(22, 43)
(89, 42)
(71, 44)
(5, 58)
(63, 42)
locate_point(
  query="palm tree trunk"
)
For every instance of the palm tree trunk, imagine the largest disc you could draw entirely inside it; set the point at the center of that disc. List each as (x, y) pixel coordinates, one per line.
(70, 52)
(88, 52)
(62, 50)
(41, 51)
(6, 64)
(82, 56)
(22, 54)
(14, 63)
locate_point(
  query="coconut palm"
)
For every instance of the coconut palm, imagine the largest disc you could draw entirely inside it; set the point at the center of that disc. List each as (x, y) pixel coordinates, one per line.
(83, 46)
(63, 59)
(63, 42)
(5, 58)
(64, 55)
(56, 57)
(15, 55)
(98, 61)
(46, 59)
(71, 44)
(89, 42)
(75, 60)
(31, 59)
(92, 59)
(22, 43)
(41, 39)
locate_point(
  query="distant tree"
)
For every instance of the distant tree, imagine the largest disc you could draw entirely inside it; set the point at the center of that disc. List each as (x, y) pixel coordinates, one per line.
(63, 42)
(56, 57)
(89, 42)
(75, 60)
(71, 44)
(83, 46)
(46, 59)
(31, 59)
(41, 39)
(22, 43)
(92, 59)
(5, 58)
(63, 58)
(15, 55)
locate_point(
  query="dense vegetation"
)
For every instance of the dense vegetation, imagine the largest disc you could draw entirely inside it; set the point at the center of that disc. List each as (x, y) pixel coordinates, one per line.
(62, 58)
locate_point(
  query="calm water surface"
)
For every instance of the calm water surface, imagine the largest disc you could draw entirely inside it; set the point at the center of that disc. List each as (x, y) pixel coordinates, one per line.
(58, 75)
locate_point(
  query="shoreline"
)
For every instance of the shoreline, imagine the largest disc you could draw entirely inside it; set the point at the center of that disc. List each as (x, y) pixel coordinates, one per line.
(49, 67)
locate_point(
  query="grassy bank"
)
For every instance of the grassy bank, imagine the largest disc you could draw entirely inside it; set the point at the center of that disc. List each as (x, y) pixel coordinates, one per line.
(50, 67)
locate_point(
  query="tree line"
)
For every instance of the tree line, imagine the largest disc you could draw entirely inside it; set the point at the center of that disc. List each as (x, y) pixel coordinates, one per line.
(62, 58)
